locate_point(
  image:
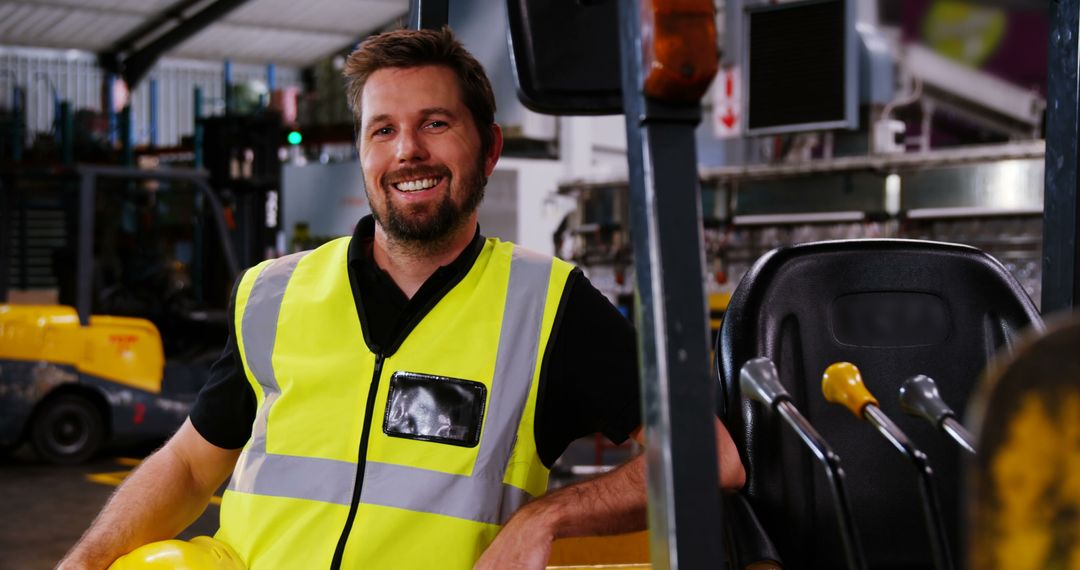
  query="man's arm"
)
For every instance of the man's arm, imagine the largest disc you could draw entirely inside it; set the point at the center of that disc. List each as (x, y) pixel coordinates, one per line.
(161, 498)
(609, 504)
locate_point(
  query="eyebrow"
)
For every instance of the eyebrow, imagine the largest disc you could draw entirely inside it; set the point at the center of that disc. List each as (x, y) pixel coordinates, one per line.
(377, 119)
(427, 112)
(438, 111)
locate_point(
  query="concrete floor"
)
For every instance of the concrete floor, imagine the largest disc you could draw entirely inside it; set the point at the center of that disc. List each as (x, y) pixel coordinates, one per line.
(47, 507)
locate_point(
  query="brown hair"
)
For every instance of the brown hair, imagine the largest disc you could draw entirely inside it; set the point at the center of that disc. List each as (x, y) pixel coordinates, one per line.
(415, 48)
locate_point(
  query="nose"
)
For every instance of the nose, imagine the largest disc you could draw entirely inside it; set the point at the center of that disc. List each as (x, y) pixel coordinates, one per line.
(410, 147)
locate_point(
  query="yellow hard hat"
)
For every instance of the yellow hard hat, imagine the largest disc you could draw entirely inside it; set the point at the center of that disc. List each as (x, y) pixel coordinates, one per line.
(200, 553)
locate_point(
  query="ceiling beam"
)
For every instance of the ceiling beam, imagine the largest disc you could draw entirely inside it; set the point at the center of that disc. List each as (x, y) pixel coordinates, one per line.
(133, 63)
(82, 10)
(171, 15)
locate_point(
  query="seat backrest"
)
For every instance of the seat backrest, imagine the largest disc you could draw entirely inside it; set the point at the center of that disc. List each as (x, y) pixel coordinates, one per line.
(894, 308)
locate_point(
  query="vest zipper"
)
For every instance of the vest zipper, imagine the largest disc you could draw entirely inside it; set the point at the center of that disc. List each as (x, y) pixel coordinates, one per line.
(361, 462)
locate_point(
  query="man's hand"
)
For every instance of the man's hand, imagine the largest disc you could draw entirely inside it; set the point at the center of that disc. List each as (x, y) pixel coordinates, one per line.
(523, 544)
(732, 473)
(612, 503)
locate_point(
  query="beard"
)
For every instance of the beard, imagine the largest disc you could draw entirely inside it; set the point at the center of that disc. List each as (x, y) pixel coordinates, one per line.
(426, 224)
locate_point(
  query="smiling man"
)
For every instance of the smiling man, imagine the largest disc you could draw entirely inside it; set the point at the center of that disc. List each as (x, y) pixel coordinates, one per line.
(434, 200)
(396, 398)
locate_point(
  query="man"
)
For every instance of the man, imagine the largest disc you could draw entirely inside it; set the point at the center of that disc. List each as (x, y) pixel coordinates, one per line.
(399, 394)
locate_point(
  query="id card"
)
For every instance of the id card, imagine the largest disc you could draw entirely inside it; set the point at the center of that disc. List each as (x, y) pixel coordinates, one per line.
(435, 408)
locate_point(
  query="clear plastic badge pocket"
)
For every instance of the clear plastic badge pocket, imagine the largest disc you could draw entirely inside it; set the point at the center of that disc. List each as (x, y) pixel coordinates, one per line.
(435, 408)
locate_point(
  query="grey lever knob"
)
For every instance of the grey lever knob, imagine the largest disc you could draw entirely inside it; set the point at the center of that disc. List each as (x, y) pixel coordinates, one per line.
(919, 397)
(759, 380)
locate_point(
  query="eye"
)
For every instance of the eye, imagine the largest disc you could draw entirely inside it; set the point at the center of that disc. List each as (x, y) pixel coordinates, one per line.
(382, 132)
(438, 125)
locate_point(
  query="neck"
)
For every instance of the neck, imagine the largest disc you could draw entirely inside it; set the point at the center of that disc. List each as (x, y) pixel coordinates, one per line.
(410, 264)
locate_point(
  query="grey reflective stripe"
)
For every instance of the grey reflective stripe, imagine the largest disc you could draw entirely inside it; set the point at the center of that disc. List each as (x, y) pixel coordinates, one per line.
(311, 478)
(526, 295)
(482, 497)
(472, 498)
(385, 484)
(258, 327)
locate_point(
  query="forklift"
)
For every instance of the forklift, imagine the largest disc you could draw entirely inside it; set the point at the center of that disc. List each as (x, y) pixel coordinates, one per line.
(142, 261)
(120, 353)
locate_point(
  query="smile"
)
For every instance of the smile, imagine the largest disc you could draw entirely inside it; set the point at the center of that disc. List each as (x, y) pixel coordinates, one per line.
(416, 185)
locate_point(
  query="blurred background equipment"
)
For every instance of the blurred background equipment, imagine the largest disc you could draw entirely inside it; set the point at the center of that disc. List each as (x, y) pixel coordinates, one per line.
(119, 350)
(935, 133)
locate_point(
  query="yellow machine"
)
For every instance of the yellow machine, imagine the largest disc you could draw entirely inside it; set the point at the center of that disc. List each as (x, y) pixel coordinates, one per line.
(718, 303)
(70, 388)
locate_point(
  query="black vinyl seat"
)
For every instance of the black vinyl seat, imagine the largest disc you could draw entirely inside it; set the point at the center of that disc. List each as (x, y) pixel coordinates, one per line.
(894, 308)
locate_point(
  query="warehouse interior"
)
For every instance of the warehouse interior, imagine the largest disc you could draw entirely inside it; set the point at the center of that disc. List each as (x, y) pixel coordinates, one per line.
(152, 150)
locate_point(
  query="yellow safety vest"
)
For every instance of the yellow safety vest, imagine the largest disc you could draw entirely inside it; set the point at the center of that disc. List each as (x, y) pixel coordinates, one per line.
(318, 439)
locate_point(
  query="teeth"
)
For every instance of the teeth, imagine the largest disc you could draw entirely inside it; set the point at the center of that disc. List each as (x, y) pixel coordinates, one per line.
(416, 185)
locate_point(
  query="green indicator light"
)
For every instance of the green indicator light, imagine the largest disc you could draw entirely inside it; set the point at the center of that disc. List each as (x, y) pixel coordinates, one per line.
(295, 137)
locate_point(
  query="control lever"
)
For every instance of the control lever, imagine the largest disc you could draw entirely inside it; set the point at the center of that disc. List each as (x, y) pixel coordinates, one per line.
(759, 381)
(919, 397)
(842, 384)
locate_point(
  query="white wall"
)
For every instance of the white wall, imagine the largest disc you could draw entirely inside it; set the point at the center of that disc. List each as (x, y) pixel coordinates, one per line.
(328, 197)
(539, 207)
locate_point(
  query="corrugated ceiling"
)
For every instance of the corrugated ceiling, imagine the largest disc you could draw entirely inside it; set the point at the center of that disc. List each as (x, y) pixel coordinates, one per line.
(285, 32)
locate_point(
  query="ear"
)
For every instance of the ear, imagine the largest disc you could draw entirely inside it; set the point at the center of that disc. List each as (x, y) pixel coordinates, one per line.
(495, 151)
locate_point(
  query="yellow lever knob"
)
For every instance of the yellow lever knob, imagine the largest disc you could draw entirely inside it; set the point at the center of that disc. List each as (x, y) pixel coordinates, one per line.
(842, 384)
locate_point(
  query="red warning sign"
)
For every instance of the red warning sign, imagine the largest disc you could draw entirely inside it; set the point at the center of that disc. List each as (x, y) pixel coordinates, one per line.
(727, 103)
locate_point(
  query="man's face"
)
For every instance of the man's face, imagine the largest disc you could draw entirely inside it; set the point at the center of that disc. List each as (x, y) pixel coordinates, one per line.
(424, 172)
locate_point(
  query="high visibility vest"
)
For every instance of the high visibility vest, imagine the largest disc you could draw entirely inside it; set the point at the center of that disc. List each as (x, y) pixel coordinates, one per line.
(321, 468)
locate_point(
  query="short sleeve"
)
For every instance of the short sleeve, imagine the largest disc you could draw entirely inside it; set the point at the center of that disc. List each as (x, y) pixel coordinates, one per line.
(589, 381)
(224, 410)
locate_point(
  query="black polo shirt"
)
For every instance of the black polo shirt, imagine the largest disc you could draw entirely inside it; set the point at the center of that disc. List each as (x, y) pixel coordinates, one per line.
(588, 380)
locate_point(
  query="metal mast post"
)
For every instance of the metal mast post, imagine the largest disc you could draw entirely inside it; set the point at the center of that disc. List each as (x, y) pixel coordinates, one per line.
(677, 387)
(1061, 211)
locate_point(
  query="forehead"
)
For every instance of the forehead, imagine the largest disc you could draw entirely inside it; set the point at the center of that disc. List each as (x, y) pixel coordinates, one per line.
(399, 91)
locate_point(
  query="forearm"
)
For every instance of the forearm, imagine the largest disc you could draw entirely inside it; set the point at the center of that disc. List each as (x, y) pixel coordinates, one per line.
(612, 503)
(156, 502)
(616, 502)
(161, 498)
